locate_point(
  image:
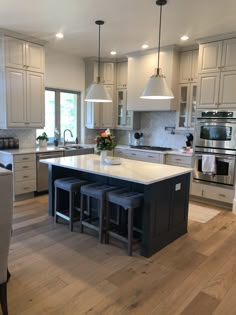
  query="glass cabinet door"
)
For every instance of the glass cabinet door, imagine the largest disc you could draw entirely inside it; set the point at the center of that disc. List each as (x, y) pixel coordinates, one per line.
(122, 116)
(183, 106)
(192, 105)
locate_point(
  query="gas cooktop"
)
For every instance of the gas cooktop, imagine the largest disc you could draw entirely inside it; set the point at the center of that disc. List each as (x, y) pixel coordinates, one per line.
(150, 147)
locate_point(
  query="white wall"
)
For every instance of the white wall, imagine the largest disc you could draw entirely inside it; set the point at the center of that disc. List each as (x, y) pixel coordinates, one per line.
(64, 71)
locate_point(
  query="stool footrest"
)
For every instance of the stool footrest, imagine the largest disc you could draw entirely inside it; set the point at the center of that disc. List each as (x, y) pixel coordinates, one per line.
(89, 225)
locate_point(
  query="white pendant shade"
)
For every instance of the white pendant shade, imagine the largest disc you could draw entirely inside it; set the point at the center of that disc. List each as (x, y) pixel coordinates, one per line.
(98, 93)
(157, 88)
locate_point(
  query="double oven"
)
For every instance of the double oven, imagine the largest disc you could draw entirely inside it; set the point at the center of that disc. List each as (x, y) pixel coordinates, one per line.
(215, 134)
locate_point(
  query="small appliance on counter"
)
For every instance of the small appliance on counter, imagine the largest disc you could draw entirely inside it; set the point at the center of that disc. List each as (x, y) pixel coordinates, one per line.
(189, 142)
(9, 143)
(137, 137)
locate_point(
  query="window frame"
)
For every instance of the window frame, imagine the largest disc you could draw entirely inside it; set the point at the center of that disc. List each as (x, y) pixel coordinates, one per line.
(58, 113)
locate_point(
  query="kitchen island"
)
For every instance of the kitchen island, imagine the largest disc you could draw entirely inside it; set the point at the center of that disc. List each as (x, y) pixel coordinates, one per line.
(166, 192)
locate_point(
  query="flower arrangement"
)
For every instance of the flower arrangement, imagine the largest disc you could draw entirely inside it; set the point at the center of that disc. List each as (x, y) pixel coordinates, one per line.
(104, 141)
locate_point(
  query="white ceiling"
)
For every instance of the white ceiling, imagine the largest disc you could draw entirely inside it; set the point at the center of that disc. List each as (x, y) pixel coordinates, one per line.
(128, 23)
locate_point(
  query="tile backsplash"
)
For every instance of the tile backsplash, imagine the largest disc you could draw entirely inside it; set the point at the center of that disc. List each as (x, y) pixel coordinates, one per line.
(153, 127)
(26, 136)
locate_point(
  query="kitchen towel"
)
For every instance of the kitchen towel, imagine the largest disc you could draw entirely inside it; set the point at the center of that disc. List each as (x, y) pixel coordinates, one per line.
(209, 164)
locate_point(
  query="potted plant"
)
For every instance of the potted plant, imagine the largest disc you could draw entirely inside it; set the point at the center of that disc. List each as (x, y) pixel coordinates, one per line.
(42, 139)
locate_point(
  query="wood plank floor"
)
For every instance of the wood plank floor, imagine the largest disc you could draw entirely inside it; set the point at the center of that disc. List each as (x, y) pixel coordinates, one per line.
(58, 272)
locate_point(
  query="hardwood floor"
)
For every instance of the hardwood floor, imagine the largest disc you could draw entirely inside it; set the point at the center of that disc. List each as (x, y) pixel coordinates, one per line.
(58, 272)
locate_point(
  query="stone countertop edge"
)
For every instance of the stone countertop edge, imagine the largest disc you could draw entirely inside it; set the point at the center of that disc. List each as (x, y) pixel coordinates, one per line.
(42, 150)
(149, 173)
(173, 151)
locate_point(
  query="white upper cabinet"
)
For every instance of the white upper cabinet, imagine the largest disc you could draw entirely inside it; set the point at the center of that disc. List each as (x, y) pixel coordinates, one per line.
(106, 72)
(217, 79)
(24, 55)
(209, 57)
(188, 66)
(121, 75)
(21, 84)
(141, 68)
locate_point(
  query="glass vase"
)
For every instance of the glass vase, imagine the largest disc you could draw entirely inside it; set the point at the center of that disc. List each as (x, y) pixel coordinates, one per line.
(103, 155)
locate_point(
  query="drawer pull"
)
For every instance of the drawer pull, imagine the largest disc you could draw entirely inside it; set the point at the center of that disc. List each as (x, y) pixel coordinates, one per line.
(178, 159)
(25, 158)
(150, 156)
(25, 167)
(25, 176)
(222, 195)
(26, 188)
(133, 154)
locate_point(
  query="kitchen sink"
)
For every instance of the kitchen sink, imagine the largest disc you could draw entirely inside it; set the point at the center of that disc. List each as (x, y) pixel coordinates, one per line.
(73, 147)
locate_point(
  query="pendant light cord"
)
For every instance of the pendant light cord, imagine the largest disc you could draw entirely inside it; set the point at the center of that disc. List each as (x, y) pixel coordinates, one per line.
(159, 42)
(99, 51)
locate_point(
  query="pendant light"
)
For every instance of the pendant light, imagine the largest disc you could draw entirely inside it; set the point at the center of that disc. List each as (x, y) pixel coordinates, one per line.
(157, 87)
(97, 92)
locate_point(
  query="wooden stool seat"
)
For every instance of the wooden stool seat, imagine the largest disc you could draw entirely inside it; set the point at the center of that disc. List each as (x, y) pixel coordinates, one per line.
(97, 191)
(72, 185)
(128, 200)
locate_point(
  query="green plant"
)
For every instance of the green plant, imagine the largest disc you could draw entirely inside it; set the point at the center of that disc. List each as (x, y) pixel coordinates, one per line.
(42, 137)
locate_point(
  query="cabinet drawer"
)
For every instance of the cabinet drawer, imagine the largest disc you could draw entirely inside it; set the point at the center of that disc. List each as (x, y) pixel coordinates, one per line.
(180, 160)
(25, 187)
(25, 157)
(25, 175)
(24, 166)
(212, 192)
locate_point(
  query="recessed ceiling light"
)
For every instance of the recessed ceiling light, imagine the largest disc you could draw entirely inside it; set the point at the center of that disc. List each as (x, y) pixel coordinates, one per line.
(59, 35)
(113, 52)
(145, 46)
(184, 37)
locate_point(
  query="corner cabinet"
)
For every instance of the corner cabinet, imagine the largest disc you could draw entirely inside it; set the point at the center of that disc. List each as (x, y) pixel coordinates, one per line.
(21, 84)
(100, 115)
(125, 119)
(140, 68)
(217, 79)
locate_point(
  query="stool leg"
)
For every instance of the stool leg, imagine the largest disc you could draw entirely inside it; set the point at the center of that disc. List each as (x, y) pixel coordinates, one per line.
(130, 231)
(101, 218)
(81, 213)
(55, 206)
(71, 210)
(107, 222)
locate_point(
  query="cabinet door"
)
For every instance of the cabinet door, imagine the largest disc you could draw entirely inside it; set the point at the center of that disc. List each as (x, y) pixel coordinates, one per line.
(210, 57)
(229, 55)
(14, 52)
(108, 72)
(183, 106)
(121, 107)
(107, 111)
(208, 90)
(35, 99)
(227, 96)
(92, 115)
(121, 75)
(34, 57)
(192, 105)
(16, 98)
(194, 71)
(185, 66)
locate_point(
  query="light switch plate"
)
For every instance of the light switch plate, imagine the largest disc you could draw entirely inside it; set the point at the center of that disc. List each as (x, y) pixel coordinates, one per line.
(177, 186)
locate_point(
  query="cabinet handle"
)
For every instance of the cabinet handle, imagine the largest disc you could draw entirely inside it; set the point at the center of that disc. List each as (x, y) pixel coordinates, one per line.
(150, 156)
(25, 176)
(202, 192)
(133, 154)
(25, 167)
(177, 159)
(27, 123)
(26, 188)
(25, 158)
(222, 195)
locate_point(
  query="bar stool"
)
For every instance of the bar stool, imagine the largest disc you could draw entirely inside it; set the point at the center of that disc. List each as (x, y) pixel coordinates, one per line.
(72, 185)
(128, 200)
(97, 191)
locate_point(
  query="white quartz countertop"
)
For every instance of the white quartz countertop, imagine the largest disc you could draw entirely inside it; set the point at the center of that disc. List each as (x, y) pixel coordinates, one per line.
(131, 170)
(173, 151)
(42, 150)
(4, 171)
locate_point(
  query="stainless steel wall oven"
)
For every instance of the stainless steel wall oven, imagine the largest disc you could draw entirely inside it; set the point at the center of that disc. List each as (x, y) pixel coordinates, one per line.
(215, 135)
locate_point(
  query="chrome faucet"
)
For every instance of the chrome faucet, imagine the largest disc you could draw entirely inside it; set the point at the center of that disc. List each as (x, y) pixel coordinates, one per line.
(64, 133)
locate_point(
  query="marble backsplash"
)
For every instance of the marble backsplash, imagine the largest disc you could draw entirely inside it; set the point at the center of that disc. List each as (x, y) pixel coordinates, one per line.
(153, 127)
(26, 136)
